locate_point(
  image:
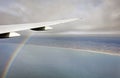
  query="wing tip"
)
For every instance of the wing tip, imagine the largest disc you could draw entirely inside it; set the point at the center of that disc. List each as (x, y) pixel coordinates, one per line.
(72, 19)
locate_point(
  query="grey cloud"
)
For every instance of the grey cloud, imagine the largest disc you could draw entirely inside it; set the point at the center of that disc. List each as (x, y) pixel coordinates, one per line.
(95, 15)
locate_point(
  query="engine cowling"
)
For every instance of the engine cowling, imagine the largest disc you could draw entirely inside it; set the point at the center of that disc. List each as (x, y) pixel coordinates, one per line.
(9, 34)
(41, 28)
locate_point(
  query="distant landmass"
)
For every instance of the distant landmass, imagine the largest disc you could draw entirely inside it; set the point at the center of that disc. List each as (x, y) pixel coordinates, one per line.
(109, 45)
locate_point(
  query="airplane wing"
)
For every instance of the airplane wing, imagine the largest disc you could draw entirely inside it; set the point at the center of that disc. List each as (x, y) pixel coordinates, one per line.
(6, 30)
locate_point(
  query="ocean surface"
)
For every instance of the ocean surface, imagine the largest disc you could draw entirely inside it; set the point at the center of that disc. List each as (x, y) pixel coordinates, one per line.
(60, 57)
(49, 62)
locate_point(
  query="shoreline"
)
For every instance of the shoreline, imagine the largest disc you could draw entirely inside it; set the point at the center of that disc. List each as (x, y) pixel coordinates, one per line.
(90, 50)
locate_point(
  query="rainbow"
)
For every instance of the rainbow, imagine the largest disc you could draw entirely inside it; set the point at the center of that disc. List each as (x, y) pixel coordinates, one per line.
(13, 56)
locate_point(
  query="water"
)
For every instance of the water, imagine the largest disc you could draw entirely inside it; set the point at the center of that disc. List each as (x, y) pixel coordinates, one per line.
(45, 62)
(40, 57)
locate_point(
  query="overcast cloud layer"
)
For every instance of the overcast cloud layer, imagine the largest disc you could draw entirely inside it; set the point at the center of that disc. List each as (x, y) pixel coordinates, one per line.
(95, 15)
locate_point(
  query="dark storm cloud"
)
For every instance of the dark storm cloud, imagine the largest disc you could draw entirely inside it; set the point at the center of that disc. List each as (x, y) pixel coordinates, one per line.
(95, 15)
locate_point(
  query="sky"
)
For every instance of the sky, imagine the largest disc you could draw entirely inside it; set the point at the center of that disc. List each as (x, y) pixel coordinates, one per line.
(95, 16)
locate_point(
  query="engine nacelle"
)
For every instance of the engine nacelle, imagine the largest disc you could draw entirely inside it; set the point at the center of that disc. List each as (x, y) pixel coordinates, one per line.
(9, 34)
(42, 28)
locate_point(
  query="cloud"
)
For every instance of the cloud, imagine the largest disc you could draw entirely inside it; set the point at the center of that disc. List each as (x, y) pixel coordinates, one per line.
(95, 15)
(88, 33)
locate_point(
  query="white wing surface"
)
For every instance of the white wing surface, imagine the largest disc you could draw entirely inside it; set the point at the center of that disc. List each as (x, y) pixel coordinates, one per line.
(20, 27)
